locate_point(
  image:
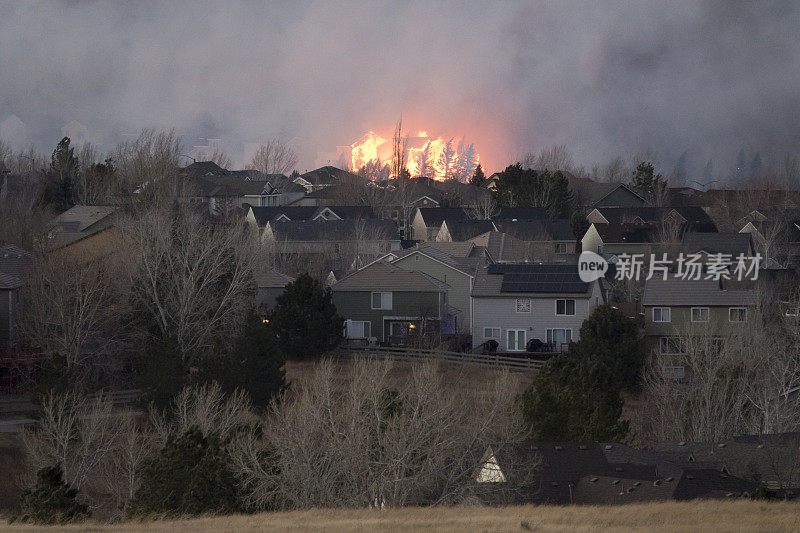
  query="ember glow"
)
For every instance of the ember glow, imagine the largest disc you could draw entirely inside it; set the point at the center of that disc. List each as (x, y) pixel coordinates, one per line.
(440, 158)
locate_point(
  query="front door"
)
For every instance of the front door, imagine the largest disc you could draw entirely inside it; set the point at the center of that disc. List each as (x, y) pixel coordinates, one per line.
(515, 340)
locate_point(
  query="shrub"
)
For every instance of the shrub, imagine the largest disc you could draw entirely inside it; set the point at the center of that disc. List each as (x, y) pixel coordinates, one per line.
(190, 475)
(51, 500)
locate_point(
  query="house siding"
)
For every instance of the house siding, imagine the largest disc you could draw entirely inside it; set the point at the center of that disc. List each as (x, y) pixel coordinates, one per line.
(5, 318)
(500, 312)
(681, 321)
(458, 295)
(357, 306)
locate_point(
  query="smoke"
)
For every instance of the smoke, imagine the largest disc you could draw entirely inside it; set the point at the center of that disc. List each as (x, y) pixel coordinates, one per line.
(606, 79)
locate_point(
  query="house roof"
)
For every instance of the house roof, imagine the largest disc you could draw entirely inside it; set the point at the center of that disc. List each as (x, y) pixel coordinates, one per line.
(200, 169)
(334, 230)
(327, 175)
(78, 223)
(381, 275)
(13, 260)
(714, 243)
(454, 249)
(679, 292)
(772, 457)
(625, 233)
(464, 230)
(592, 193)
(694, 216)
(467, 265)
(272, 279)
(266, 214)
(505, 248)
(521, 213)
(434, 216)
(8, 281)
(529, 279)
(537, 230)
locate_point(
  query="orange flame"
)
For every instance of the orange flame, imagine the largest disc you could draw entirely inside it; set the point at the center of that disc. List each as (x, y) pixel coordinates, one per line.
(424, 156)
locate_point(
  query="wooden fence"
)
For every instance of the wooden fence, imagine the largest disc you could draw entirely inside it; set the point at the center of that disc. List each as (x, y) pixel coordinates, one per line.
(516, 364)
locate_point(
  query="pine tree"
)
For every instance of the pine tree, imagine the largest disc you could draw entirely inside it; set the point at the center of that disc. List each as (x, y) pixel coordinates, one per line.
(708, 172)
(59, 190)
(305, 321)
(447, 159)
(51, 500)
(478, 179)
(755, 166)
(466, 162)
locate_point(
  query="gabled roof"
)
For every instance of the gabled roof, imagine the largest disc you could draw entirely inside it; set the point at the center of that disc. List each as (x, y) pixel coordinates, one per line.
(327, 175)
(346, 211)
(529, 279)
(381, 275)
(434, 216)
(334, 230)
(468, 229)
(81, 217)
(714, 243)
(272, 279)
(679, 292)
(466, 265)
(593, 193)
(199, 169)
(13, 260)
(537, 230)
(8, 281)
(454, 249)
(625, 233)
(268, 213)
(696, 217)
(521, 213)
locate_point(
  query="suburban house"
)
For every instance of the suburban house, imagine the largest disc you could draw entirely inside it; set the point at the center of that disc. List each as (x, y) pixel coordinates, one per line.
(393, 305)
(675, 308)
(258, 217)
(322, 177)
(591, 473)
(543, 240)
(461, 231)
(269, 285)
(12, 267)
(590, 194)
(641, 230)
(84, 230)
(458, 273)
(426, 222)
(709, 244)
(541, 304)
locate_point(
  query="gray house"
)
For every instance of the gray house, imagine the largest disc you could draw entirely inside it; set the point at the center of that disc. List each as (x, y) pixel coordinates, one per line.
(12, 264)
(270, 284)
(390, 304)
(457, 272)
(514, 304)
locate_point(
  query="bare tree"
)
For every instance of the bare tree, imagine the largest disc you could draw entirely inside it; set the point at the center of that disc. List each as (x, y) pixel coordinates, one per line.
(221, 159)
(273, 157)
(147, 164)
(484, 209)
(193, 281)
(550, 158)
(369, 442)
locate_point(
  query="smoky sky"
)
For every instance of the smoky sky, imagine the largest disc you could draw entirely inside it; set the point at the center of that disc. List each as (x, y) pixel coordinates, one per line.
(604, 78)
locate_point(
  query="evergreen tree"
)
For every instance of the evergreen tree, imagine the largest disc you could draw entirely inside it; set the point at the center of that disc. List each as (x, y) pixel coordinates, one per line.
(190, 475)
(573, 398)
(59, 189)
(51, 500)
(255, 364)
(647, 182)
(680, 167)
(708, 172)
(478, 178)
(519, 187)
(610, 336)
(305, 321)
(561, 200)
(755, 166)
(741, 163)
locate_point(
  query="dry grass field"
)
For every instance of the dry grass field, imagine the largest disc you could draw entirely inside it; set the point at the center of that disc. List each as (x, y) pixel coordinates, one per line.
(672, 517)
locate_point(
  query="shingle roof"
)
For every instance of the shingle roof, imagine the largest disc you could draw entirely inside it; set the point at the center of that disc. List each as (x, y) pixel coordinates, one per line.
(712, 242)
(266, 214)
(270, 279)
(463, 231)
(696, 217)
(80, 217)
(625, 233)
(679, 292)
(327, 175)
(334, 230)
(592, 193)
(454, 249)
(537, 230)
(203, 168)
(516, 279)
(434, 216)
(384, 276)
(521, 213)
(13, 260)
(467, 265)
(8, 281)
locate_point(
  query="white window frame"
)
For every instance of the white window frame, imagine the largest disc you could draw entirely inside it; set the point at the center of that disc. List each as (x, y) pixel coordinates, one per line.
(516, 338)
(366, 328)
(383, 305)
(523, 301)
(550, 335)
(492, 331)
(565, 313)
(561, 248)
(661, 309)
(706, 309)
(730, 314)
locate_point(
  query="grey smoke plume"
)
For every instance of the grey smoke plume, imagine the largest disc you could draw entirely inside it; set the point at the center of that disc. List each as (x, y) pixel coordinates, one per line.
(603, 78)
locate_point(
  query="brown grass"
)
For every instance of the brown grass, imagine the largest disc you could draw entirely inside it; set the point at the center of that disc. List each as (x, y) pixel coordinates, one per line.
(670, 516)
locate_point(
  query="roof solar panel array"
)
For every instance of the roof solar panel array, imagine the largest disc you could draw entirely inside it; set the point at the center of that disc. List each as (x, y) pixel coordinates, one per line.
(540, 278)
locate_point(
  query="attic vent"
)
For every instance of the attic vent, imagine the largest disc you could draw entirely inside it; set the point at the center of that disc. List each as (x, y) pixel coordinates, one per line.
(637, 483)
(691, 458)
(594, 479)
(721, 445)
(608, 447)
(615, 482)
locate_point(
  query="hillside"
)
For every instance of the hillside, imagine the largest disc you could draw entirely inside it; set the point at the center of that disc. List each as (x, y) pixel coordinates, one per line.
(688, 516)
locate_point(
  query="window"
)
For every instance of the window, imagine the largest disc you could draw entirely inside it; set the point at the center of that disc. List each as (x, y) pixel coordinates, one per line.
(359, 330)
(523, 305)
(561, 247)
(382, 300)
(669, 345)
(558, 337)
(737, 314)
(565, 307)
(515, 340)
(491, 333)
(661, 314)
(699, 314)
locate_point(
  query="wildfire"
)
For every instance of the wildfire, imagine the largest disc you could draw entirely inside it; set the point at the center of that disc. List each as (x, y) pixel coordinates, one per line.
(437, 158)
